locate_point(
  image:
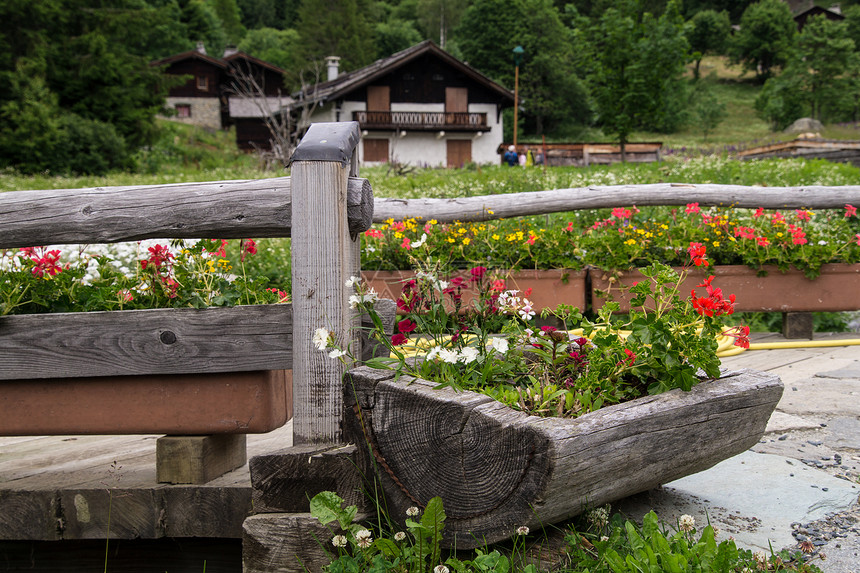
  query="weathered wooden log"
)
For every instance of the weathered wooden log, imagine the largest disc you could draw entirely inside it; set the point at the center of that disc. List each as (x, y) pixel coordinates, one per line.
(216, 210)
(497, 469)
(490, 207)
(157, 341)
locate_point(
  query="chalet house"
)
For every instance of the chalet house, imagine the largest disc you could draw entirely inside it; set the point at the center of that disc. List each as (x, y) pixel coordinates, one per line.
(236, 89)
(802, 16)
(420, 106)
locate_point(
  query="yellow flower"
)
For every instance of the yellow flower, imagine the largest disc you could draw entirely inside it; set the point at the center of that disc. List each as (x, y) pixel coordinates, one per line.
(716, 243)
(452, 240)
(664, 227)
(433, 222)
(779, 234)
(398, 235)
(490, 212)
(496, 237)
(630, 242)
(461, 231)
(467, 240)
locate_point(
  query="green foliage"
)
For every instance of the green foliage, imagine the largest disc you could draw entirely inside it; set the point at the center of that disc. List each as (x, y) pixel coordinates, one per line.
(202, 25)
(707, 33)
(282, 48)
(336, 28)
(229, 15)
(766, 38)
(708, 110)
(634, 67)
(395, 35)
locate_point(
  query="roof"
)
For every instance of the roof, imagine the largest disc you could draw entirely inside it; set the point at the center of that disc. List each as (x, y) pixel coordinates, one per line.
(243, 56)
(349, 81)
(192, 54)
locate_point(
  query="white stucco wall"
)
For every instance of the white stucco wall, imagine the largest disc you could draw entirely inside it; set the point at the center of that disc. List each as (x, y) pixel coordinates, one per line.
(426, 148)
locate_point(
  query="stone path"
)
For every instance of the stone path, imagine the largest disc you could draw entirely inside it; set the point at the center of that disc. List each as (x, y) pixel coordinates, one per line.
(801, 482)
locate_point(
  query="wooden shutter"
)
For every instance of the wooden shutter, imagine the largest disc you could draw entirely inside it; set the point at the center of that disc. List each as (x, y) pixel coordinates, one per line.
(459, 152)
(456, 102)
(378, 98)
(376, 150)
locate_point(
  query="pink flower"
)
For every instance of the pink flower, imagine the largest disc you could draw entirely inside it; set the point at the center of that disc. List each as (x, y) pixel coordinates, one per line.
(373, 233)
(759, 212)
(499, 285)
(221, 251)
(621, 213)
(399, 339)
(406, 243)
(850, 211)
(531, 239)
(692, 208)
(125, 295)
(569, 227)
(477, 273)
(762, 241)
(697, 254)
(247, 247)
(802, 214)
(406, 326)
(858, 239)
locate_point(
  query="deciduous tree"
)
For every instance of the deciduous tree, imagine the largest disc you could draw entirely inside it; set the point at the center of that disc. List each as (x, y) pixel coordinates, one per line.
(766, 37)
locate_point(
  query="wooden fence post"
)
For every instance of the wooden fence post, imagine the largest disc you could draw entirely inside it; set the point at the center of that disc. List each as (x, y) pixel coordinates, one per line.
(324, 255)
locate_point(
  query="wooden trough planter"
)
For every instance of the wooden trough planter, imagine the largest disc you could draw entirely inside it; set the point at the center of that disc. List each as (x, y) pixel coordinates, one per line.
(550, 287)
(497, 469)
(836, 289)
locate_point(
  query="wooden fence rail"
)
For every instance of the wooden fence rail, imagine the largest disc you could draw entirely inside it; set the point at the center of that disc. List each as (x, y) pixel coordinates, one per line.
(489, 207)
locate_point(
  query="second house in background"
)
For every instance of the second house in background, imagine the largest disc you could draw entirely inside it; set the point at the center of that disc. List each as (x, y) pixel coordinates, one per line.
(420, 106)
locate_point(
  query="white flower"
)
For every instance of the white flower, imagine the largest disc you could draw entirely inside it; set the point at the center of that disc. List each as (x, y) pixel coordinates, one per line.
(370, 249)
(354, 301)
(352, 281)
(526, 312)
(449, 356)
(760, 557)
(443, 285)
(399, 536)
(320, 338)
(440, 569)
(365, 542)
(420, 242)
(363, 534)
(433, 352)
(604, 538)
(338, 541)
(687, 522)
(500, 345)
(336, 353)
(412, 511)
(522, 530)
(468, 355)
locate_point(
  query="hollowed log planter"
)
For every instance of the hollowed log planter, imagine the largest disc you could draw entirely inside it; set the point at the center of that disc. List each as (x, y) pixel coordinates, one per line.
(167, 371)
(549, 287)
(836, 289)
(497, 469)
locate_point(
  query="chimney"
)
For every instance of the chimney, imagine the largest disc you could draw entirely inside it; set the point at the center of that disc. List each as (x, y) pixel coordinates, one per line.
(332, 64)
(201, 48)
(230, 50)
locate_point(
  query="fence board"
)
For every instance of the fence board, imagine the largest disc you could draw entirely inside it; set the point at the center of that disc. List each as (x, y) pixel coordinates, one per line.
(216, 210)
(489, 207)
(159, 341)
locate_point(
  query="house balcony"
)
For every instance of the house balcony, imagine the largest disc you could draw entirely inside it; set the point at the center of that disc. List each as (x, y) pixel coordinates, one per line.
(421, 120)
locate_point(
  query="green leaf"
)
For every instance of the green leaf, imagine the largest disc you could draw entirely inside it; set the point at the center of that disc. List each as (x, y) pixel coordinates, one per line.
(326, 507)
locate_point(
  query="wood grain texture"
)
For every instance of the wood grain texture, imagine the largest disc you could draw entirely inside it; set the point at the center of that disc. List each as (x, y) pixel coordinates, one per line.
(541, 202)
(198, 459)
(286, 480)
(217, 210)
(324, 255)
(497, 469)
(158, 341)
(285, 542)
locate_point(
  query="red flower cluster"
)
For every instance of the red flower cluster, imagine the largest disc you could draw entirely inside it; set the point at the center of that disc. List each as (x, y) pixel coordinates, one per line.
(741, 334)
(714, 304)
(622, 213)
(478, 273)
(697, 254)
(247, 247)
(850, 211)
(692, 208)
(158, 255)
(46, 263)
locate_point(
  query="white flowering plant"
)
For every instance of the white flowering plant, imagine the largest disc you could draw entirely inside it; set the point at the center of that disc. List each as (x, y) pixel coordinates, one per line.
(357, 547)
(493, 346)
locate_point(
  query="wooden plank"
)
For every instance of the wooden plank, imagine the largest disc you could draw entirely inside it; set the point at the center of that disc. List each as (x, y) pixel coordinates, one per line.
(497, 469)
(286, 543)
(198, 459)
(157, 341)
(559, 200)
(324, 255)
(217, 210)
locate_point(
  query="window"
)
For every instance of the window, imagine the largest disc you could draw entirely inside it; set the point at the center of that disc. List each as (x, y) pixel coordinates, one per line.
(203, 83)
(183, 110)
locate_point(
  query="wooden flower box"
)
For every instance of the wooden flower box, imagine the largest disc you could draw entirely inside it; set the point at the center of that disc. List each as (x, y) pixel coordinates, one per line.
(549, 287)
(165, 371)
(497, 469)
(836, 289)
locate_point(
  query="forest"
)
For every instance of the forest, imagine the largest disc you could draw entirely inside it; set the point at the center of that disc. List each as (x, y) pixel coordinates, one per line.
(79, 94)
